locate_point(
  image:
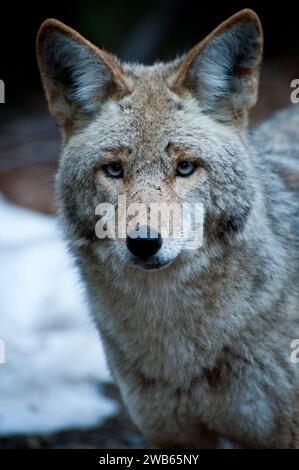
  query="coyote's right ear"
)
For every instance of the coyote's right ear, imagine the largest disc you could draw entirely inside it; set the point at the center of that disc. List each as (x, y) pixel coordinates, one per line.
(77, 76)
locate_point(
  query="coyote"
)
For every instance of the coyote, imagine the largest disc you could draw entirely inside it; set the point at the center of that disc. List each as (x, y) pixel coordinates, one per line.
(198, 341)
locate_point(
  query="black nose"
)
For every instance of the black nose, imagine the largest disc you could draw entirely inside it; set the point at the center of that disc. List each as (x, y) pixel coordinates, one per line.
(145, 247)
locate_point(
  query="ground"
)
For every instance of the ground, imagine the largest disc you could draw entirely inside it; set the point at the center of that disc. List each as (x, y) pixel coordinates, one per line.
(115, 433)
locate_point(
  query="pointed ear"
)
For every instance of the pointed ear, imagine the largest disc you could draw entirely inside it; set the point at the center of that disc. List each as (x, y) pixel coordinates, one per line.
(222, 71)
(77, 76)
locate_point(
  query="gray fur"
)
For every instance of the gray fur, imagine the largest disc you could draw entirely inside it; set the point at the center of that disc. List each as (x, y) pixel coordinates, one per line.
(77, 73)
(200, 349)
(216, 72)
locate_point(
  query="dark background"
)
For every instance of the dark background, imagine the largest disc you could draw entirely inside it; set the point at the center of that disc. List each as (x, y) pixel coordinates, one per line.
(142, 30)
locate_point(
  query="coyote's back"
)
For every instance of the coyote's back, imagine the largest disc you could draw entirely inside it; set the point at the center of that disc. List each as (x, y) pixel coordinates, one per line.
(277, 139)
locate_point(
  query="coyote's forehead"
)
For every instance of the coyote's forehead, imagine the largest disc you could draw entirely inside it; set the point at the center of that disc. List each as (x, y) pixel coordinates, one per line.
(151, 109)
(150, 105)
(151, 121)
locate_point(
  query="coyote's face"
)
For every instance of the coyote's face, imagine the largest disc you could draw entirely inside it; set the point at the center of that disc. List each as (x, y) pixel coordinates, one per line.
(154, 137)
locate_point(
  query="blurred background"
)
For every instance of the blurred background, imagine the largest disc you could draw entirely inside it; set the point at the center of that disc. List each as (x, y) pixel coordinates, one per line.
(33, 315)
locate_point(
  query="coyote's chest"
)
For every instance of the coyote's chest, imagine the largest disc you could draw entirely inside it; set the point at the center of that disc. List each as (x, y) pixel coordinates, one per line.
(166, 336)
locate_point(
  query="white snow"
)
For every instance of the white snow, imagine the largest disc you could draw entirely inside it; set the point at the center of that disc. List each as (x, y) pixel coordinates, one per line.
(54, 361)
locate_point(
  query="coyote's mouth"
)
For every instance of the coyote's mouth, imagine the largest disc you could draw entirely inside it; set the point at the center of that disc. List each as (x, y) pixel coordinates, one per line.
(150, 265)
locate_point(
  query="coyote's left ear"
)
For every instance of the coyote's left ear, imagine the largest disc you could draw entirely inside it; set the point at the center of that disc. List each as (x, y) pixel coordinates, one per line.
(222, 71)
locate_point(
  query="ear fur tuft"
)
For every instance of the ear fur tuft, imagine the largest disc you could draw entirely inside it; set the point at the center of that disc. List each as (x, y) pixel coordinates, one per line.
(77, 76)
(222, 71)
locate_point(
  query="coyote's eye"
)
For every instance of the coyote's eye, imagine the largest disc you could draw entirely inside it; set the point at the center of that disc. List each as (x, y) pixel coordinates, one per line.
(185, 168)
(113, 170)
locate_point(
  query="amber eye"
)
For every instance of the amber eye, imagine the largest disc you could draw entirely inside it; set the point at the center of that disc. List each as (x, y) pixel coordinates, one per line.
(185, 168)
(113, 170)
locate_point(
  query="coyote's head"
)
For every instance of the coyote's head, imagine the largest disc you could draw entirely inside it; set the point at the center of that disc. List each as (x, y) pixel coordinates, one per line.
(167, 133)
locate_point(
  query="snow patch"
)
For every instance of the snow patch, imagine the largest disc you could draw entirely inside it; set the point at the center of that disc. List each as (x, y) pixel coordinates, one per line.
(54, 360)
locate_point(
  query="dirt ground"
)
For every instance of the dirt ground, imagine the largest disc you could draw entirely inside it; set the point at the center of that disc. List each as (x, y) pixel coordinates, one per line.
(29, 149)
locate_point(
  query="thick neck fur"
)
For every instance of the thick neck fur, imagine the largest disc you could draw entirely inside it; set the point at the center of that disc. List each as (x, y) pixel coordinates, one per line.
(172, 323)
